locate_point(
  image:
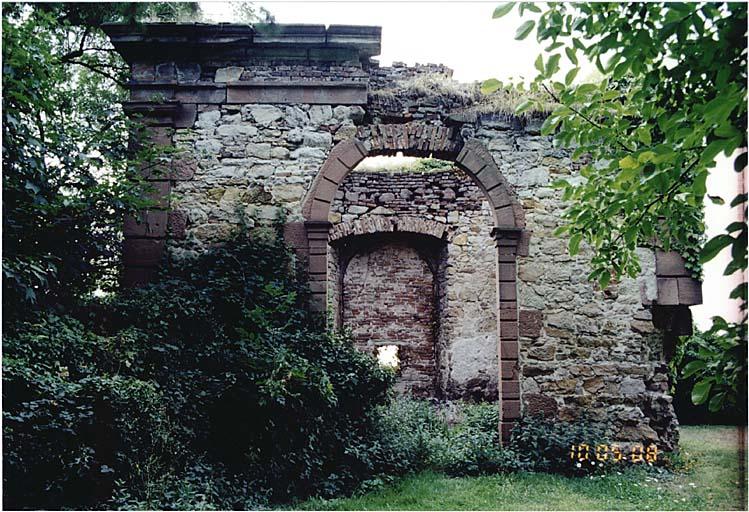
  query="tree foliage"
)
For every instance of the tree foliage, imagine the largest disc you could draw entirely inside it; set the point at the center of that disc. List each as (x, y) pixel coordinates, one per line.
(216, 377)
(672, 97)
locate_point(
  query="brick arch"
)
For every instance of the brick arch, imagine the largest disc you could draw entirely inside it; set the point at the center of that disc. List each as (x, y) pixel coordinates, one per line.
(418, 139)
(371, 224)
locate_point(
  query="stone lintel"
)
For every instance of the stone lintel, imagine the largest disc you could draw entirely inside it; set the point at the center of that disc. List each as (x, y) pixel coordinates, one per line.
(287, 92)
(168, 113)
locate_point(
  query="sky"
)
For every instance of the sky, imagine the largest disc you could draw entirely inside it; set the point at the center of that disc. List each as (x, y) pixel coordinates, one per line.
(463, 36)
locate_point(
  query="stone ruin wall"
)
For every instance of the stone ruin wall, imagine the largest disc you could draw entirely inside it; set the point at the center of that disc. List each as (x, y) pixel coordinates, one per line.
(580, 348)
(465, 321)
(252, 133)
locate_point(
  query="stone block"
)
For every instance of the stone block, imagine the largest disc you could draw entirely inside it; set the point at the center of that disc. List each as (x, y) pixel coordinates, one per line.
(200, 94)
(670, 264)
(510, 370)
(147, 224)
(142, 72)
(507, 291)
(142, 252)
(668, 291)
(505, 428)
(531, 323)
(183, 167)
(318, 263)
(158, 136)
(540, 404)
(507, 272)
(505, 216)
(265, 114)
(157, 192)
(187, 72)
(177, 224)
(295, 234)
(185, 115)
(510, 409)
(510, 390)
(295, 93)
(228, 74)
(165, 72)
(508, 331)
(690, 291)
(509, 350)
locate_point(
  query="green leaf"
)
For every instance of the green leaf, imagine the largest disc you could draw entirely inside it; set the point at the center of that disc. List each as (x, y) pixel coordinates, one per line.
(604, 280)
(699, 185)
(628, 163)
(716, 402)
(716, 199)
(739, 164)
(524, 30)
(503, 9)
(740, 198)
(490, 86)
(700, 391)
(574, 243)
(539, 64)
(643, 135)
(645, 156)
(570, 76)
(552, 66)
(692, 368)
(714, 246)
(572, 55)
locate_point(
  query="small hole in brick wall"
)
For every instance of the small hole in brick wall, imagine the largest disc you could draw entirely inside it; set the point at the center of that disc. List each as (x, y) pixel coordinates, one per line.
(387, 356)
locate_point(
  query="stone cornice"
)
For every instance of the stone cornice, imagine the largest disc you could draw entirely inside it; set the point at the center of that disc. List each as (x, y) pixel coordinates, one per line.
(190, 40)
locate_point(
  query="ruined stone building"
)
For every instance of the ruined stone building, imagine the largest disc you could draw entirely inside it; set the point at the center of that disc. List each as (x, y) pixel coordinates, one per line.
(455, 270)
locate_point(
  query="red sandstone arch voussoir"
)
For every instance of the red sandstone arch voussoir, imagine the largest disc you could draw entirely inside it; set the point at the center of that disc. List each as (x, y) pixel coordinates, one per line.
(414, 139)
(478, 162)
(342, 159)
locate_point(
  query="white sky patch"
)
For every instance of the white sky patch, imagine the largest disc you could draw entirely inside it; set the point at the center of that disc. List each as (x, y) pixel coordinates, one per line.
(460, 35)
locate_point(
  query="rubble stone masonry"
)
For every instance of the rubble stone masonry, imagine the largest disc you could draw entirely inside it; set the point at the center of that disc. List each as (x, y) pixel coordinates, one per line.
(461, 267)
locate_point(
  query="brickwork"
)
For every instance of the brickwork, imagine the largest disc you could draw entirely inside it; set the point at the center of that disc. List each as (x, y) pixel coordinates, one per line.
(445, 206)
(389, 299)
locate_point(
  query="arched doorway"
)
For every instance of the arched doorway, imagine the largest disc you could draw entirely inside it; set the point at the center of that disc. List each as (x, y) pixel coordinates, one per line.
(418, 139)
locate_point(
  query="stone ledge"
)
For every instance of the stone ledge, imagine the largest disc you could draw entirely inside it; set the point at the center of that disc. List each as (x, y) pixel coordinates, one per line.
(185, 39)
(287, 92)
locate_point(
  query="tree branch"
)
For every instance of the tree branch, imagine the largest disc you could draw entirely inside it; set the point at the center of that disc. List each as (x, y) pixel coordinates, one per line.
(586, 118)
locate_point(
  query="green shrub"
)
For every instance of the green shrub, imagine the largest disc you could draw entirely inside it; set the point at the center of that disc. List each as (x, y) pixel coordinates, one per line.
(72, 423)
(219, 362)
(542, 444)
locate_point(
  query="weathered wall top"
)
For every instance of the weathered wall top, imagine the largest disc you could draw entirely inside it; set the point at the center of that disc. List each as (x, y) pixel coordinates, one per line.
(196, 41)
(188, 64)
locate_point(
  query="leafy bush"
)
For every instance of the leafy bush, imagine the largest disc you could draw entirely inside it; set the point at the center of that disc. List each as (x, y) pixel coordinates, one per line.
(219, 362)
(541, 444)
(709, 374)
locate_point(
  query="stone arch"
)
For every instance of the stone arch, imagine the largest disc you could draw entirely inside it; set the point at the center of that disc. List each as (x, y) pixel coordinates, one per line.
(423, 140)
(380, 224)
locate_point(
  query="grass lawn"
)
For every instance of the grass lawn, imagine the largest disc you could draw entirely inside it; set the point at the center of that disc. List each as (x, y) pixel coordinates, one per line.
(709, 482)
